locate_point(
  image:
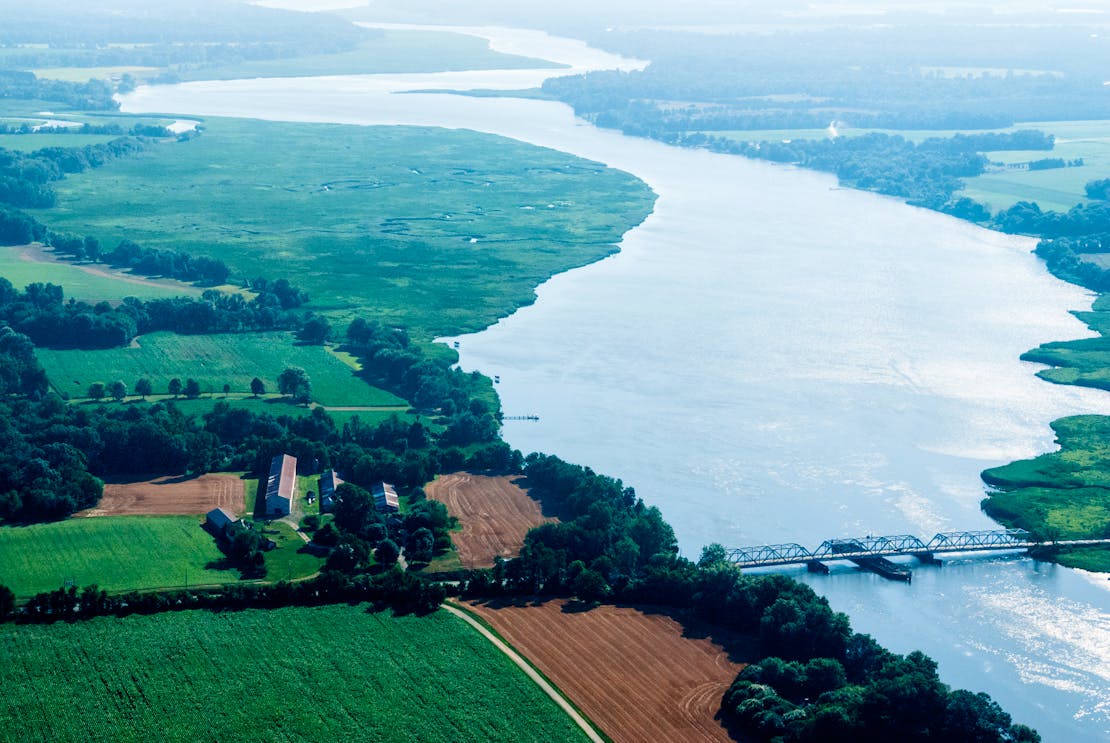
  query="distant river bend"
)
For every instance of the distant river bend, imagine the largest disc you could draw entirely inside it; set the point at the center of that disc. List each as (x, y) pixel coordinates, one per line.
(772, 359)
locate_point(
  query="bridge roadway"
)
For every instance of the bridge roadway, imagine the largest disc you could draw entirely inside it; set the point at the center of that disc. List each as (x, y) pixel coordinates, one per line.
(855, 548)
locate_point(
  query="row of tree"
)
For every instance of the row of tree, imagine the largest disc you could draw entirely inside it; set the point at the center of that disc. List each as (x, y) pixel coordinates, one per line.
(42, 313)
(396, 589)
(26, 177)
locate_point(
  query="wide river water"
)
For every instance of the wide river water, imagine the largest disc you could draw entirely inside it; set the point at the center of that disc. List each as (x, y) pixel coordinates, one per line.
(773, 359)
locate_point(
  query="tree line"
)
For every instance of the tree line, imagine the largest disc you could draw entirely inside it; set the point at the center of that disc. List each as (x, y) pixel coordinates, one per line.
(94, 95)
(403, 592)
(42, 313)
(26, 177)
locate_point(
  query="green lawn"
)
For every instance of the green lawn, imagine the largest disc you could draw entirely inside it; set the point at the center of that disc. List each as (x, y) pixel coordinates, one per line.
(440, 231)
(213, 360)
(118, 553)
(23, 266)
(289, 559)
(295, 674)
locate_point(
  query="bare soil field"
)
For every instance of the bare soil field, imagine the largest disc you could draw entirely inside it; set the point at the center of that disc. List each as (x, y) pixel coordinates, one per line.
(171, 496)
(639, 676)
(495, 513)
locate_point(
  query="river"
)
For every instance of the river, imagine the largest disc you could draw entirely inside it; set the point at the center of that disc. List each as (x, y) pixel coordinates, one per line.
(773, 359)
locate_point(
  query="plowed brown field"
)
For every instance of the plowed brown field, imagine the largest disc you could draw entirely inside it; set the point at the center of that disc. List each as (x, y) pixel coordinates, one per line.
(495, 513)
(633, 673)
(171, 496)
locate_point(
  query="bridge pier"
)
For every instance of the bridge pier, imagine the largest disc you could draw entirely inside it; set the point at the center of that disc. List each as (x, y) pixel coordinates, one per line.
(885, 568)
(816, 566)
(928, 558)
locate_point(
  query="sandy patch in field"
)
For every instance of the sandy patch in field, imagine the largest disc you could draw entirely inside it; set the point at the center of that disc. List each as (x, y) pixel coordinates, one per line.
(171, 496)
(633, 673)
(37, 253)
(495, 513)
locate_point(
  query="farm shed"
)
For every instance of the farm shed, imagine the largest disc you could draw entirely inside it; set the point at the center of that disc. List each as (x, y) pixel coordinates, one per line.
(219, 519)
(385, 498)
(280, 485)
(329, 481)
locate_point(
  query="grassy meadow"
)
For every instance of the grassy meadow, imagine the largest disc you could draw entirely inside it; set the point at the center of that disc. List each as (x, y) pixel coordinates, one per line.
(1063, 494)
(294, 674)
(123, 553)
(213, 360)
(436, 230)
(26, 265)
(118, 553)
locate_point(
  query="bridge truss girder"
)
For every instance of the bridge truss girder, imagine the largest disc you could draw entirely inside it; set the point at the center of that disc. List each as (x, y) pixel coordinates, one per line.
(977, 540)
(769, 554)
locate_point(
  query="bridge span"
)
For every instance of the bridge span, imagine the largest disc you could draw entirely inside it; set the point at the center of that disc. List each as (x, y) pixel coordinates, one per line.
(871, 551)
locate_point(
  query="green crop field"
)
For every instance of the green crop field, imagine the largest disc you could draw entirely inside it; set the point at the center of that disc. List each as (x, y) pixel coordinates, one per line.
(118, 553)
(440, 231)
(213, 360)
(393, 51)
(1058, 189)
(23, 266)
(295, 674)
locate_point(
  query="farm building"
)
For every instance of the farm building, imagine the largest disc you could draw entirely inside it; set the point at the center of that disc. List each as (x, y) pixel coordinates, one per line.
(385, 498)
(280, 485)
(219, 519)
(329, 481)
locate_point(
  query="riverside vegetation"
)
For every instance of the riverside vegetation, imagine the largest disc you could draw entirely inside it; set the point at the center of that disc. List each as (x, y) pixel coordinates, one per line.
(609, 545)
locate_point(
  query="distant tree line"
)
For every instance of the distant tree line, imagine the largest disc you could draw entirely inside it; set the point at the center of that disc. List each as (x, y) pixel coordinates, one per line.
(927, 173)
(42, 313)
(1098, 189)
(138, 130)
(133, 33)
(94, 95)
(26, 177)
(878, 77)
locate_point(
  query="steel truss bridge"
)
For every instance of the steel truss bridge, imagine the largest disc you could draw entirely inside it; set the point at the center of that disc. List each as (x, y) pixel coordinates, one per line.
(854, 548)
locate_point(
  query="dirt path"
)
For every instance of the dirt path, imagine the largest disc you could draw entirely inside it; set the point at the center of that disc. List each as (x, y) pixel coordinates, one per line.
(522, 664)
(39, 254)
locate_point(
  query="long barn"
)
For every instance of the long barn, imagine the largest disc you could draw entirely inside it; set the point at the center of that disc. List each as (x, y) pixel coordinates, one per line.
(280, 485)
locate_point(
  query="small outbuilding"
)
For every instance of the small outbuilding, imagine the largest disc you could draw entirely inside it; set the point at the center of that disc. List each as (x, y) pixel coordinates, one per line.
(329, 481)
(218, 520)
(385, 498)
